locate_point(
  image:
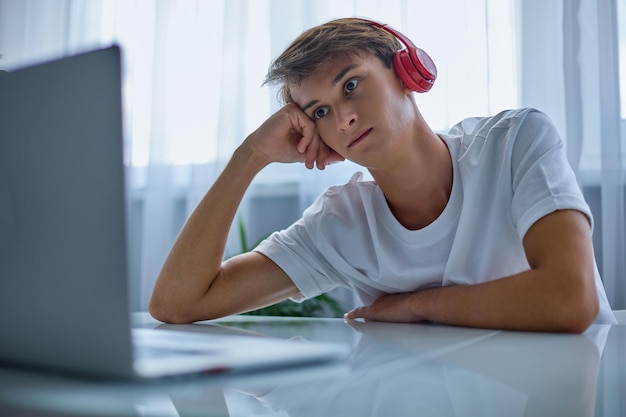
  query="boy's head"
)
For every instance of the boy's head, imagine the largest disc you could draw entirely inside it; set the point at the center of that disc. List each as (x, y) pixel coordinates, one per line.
(320, 44)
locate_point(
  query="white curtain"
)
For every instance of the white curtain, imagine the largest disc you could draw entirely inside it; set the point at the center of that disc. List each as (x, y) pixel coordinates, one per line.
(192, 89)
(569, 56)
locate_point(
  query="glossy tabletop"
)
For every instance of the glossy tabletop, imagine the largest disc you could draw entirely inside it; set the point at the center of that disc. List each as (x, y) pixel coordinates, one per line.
(392, 370)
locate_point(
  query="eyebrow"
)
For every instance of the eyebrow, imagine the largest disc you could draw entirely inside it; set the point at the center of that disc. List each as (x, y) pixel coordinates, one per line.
(338, 78)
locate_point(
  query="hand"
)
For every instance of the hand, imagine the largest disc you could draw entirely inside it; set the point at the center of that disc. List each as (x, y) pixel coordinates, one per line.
(396, 308)
(289, 135)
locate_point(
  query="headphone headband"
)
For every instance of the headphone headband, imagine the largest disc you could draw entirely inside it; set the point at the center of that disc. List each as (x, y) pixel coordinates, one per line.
(414, 67)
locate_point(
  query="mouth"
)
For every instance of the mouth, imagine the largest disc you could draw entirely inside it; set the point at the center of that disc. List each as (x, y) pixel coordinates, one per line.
(359, 137)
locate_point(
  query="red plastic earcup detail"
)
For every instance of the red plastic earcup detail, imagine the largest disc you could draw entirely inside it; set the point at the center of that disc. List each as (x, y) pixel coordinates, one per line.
(424, 64)
(414, 67)
(409, 73)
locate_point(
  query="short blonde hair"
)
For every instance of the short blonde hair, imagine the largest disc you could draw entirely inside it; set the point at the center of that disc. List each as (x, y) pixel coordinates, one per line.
(322, 43)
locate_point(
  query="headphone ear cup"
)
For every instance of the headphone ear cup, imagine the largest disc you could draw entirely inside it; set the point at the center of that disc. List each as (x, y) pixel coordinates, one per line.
(415, 69)
(412, 65)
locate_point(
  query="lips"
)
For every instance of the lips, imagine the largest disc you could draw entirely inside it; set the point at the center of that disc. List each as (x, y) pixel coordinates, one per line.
(359, 137)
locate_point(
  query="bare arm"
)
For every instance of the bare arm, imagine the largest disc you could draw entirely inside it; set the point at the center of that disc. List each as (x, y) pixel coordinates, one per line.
(558, 293)
(194, 283)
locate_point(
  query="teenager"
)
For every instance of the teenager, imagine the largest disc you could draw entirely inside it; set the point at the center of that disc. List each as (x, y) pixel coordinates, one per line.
(482, 226)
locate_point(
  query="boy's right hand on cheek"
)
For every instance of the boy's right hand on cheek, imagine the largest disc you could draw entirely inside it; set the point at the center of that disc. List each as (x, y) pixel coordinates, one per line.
(289, 135)
(317, 153)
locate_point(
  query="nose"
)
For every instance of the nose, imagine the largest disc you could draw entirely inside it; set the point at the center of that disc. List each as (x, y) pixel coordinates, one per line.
(346, 117)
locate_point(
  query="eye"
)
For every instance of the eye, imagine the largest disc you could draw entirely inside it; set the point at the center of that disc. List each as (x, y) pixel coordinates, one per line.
(320, 112)
(350, 85)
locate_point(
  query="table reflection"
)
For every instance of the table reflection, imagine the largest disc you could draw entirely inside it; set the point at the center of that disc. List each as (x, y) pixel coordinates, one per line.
(403, 369)
(392, 370)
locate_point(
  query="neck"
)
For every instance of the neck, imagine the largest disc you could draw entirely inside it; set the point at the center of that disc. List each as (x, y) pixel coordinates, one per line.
(419, 184)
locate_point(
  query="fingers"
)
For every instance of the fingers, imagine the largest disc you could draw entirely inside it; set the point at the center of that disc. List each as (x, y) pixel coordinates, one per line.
(391, 307)
(317, 153)
(290, 127)
(310, 143)
(357, 313)
(327, 156)
(313, 152)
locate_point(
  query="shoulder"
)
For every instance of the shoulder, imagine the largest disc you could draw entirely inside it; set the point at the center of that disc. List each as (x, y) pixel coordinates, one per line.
(525, 118)
(517, 130)
(345, 202)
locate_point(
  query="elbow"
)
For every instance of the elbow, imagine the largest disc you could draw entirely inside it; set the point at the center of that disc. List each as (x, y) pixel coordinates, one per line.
(168, 312)
(181, 304)
(579, 312)
(577, 324)
(159, 310)
(584, 318)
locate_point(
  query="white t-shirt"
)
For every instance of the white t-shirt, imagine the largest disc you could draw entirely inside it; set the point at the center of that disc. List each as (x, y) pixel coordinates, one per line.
(509, 171)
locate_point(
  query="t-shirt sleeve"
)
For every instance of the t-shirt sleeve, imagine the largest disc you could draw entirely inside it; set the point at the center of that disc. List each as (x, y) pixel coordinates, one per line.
(296, 253)
(543, 180)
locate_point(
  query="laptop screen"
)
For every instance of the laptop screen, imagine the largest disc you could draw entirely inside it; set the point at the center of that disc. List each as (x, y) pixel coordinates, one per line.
(63, 286)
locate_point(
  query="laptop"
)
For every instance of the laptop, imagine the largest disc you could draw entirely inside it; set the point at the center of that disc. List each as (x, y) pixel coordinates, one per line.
(64, 286)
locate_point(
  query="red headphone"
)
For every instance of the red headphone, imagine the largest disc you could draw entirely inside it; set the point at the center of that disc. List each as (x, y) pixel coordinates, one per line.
(414, 67)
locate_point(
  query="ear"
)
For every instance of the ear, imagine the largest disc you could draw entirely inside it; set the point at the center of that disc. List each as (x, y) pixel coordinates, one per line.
(407, 91)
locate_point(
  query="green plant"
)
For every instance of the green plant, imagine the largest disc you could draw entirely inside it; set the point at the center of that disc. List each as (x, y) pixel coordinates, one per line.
(322, 305)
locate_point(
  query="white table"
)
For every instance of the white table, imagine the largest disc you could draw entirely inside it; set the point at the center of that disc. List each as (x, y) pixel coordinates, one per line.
(393, 370)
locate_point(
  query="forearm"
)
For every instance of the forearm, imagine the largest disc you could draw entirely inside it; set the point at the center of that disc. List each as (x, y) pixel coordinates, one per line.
(196, 257)
(557, 293)
(526, 301)
(194, 283)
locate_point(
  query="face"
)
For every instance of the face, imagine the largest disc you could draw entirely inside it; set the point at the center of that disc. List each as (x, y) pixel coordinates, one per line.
(360, 107)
